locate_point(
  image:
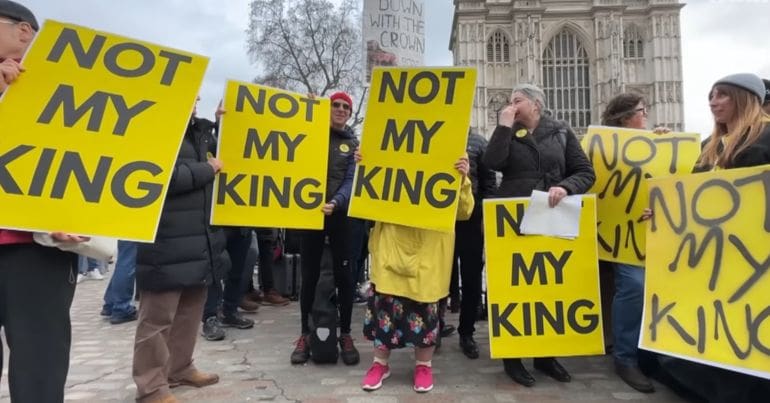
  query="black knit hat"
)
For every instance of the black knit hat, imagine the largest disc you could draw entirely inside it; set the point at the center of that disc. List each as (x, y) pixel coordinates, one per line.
(17, 12)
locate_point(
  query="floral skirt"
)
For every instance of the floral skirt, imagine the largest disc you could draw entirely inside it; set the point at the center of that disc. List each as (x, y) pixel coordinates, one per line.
(395, 322)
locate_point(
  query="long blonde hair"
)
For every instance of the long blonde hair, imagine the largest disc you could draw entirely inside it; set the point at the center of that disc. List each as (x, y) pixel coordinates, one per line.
(749, 120)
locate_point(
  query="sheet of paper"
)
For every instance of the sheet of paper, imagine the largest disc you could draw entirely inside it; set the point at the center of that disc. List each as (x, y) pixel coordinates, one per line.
(561, 221)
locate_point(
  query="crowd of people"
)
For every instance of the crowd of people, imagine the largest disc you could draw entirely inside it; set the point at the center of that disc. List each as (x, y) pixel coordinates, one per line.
(194, 277)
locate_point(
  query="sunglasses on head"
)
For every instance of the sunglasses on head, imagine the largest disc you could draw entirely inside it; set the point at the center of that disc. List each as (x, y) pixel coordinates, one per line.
(342, 105)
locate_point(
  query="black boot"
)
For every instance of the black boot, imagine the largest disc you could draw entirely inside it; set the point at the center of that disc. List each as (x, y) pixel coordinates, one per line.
(634, 377)
(552, 368)
(515, 370)
(469, 347)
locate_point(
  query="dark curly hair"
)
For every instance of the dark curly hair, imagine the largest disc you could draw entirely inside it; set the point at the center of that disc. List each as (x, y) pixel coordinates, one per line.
(620, 108)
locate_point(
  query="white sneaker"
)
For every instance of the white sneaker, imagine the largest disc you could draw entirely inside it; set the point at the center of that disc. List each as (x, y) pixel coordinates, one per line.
(95, 275)
(80, 278)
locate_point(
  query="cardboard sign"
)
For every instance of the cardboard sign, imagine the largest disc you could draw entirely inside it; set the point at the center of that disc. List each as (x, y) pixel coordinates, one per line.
(622, 159)
(274, 146)
(707, 285)
(415, 130)
(394, 34)
(91, 131)
(543, 291)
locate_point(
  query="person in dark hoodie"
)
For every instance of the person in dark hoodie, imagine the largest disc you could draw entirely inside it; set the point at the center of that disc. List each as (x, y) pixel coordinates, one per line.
(536, 152)
(174, 272)
(37, 283)
(339, 183)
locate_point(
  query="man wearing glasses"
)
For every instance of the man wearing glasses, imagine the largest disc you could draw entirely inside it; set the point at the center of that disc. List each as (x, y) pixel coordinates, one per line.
(339, 182)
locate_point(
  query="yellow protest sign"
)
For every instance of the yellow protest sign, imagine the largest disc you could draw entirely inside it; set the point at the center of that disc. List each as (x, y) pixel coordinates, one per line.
(707, 284)
(274, 146)
(91, 131)
(416, 128)
(622, 159)
(543, 292)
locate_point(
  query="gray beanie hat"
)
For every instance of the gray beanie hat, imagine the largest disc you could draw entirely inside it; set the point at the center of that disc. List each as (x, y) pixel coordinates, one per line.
(767, 90)
(17, 12)
(747, 81)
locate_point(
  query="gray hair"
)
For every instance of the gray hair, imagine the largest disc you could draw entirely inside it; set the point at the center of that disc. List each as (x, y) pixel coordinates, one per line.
(534, 93)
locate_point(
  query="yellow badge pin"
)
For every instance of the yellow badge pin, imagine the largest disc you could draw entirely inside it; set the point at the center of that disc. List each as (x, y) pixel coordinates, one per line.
(344, 148)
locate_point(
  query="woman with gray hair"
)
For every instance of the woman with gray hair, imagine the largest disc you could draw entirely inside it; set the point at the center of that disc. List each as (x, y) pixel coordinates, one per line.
(535, 152)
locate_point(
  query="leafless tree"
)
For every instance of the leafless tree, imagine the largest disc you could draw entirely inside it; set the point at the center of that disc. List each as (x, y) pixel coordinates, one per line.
(309, 46)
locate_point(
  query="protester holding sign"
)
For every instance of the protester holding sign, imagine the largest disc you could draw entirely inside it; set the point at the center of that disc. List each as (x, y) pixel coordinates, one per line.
(174, 272)
(409, 275)
(628, 110)
(535, 152)
(339, 183)
(37, 283)
(740, 138)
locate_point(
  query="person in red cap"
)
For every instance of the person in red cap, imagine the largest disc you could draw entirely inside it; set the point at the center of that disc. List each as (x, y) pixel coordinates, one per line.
(339, 183)
(37, 283)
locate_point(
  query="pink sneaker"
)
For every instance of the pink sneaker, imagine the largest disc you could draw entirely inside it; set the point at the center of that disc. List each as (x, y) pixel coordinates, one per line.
(423, 378)
(374, 376)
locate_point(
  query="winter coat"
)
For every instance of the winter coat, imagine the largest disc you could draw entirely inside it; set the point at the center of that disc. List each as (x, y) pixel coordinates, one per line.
(549, 156)
(483, 178)
(412, 262)
(755, 154)
(187, 250)
(341, 166)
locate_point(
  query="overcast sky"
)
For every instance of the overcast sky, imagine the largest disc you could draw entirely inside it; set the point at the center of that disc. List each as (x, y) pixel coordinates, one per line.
(719, 37)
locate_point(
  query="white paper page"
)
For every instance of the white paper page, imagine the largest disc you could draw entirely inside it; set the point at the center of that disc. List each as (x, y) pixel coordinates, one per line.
(561, 221)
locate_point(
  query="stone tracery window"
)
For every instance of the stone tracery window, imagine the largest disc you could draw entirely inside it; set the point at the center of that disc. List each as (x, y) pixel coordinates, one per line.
(633, 43)
(498, 48)
(566, 80)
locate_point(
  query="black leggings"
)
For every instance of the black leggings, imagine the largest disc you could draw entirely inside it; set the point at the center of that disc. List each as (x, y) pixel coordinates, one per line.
(336, 227)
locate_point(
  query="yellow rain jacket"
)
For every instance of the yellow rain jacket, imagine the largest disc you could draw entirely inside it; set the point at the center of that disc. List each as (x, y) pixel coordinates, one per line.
(416, 263)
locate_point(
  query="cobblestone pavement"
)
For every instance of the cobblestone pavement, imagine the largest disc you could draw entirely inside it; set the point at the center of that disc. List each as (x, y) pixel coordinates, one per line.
(254, 366)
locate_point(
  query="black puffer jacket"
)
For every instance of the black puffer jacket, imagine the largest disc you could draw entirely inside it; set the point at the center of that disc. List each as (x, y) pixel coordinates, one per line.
(187, 251)
(550, 156)
(482, 178)
(339, 172)
(755, 154)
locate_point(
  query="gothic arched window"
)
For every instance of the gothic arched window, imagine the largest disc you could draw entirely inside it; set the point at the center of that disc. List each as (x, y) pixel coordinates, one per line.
(498, 48)
(633, 43)
(566, 80)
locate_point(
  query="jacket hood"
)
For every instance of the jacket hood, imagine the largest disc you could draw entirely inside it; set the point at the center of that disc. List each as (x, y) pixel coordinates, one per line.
(345, 133)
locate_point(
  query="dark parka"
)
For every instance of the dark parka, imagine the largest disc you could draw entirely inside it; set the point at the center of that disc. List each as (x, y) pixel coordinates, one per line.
(482, 178)
(755, 154)
(549, 156)
(339, 172)
(187, 250)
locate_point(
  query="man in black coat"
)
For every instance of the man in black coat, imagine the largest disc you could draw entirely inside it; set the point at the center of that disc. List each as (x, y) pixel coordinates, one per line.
(469, 244)
(173, 273)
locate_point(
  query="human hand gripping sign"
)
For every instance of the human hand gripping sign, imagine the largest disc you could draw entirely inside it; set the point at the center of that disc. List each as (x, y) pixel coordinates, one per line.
(9, 71)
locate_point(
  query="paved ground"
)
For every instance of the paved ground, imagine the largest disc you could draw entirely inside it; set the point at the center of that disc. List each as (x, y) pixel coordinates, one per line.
(254, 366)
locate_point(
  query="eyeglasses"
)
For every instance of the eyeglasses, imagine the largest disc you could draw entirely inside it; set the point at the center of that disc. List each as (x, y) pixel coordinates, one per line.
(342, 105)
(643, 110)
(9, 22)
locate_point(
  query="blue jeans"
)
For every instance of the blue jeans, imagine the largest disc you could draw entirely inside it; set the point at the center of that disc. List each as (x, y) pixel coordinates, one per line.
(119, 296)
(86, 264)
(627, 312)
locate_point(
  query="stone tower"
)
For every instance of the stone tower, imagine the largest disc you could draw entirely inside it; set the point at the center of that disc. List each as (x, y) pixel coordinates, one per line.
(581, 52)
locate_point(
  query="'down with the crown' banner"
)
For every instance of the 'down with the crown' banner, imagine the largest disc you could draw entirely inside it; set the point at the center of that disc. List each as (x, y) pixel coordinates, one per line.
(415, 130)
(623, 159)
(91, 131)
(543, 291)
(707, 284)
(274, 146)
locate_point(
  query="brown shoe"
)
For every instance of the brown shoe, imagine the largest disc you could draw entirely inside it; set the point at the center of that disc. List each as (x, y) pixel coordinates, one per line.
(254, 295)
(165, 399)
(248, 305)
(197, 379)
(272, 297)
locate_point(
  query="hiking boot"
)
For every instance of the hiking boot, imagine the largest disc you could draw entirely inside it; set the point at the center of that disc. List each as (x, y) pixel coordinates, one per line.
(212, 330)
(423, 378)
(374, 377)
(301, 352)
(197, 379)
(272, 297)
(236, 320)
(248, 305)
(348, 351)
